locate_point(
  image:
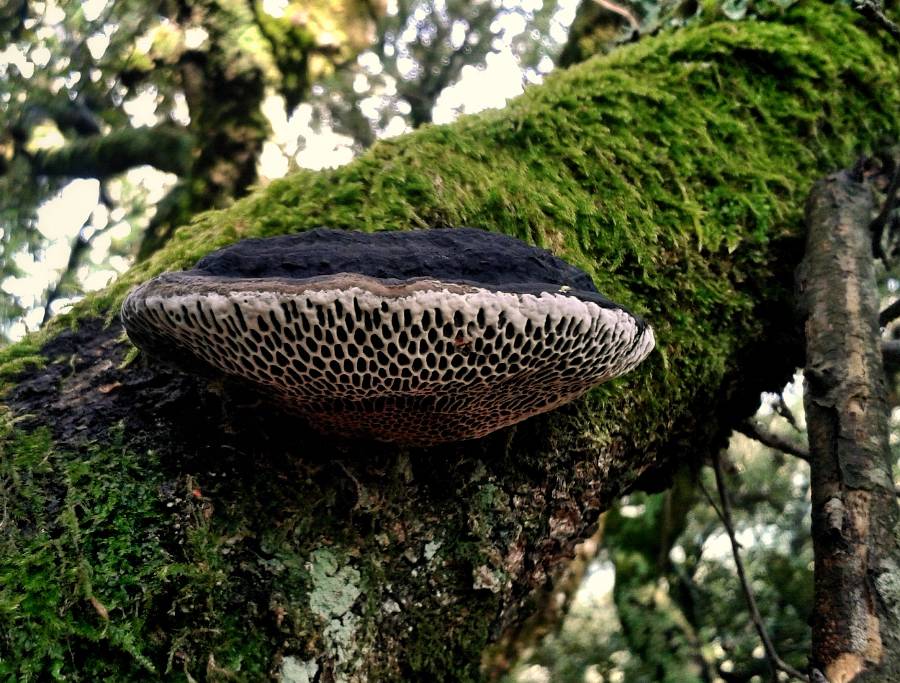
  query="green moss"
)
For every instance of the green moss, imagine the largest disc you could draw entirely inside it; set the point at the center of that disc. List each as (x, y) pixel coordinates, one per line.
(77, 555)
(26, 354)
(105, 553)
(89, 562)
(17, 358)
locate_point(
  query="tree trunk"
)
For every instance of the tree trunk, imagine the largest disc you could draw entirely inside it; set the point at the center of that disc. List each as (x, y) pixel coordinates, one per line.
(856, 622)
(156, 523)
(224, 86)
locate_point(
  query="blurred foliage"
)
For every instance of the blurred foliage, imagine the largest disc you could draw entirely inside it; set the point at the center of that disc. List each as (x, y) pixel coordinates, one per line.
(420, 49)
(669, 607)
(105, 89)
(675, 611)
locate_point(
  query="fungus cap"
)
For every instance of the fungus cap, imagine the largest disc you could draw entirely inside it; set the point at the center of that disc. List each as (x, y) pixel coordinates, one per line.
(416, 337)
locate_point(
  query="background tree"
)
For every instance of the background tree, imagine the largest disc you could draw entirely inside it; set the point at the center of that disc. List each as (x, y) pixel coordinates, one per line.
(78, 75)
(677, 613)
(420, 49)
(91, 90)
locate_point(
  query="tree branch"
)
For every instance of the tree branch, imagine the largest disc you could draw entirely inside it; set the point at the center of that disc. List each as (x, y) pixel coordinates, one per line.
(622, 12)
(776, 662)
(101, 156)
(782, 408)
(889, 314)
(881, 220)
(874, 12)
(754, 431)
(885, 248)
(855, 623)
(79, 247)
(751, 429)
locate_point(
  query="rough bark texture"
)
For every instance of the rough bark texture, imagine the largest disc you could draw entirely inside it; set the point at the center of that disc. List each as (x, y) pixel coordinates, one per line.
(160, 525)
(856, 622)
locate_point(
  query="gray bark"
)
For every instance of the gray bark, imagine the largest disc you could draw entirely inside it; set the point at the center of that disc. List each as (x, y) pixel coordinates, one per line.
(856, 622)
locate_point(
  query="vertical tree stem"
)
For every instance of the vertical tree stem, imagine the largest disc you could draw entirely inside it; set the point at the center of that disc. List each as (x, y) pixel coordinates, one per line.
(856, 618)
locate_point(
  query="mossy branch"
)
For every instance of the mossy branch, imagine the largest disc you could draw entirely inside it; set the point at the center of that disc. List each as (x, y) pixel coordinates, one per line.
(673, 170)
(101, 156)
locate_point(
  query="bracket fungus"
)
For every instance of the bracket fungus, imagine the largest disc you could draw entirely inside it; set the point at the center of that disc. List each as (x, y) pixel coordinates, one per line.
(416, 337)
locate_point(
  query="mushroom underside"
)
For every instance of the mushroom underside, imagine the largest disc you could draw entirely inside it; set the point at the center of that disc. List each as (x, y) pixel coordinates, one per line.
(419, 366)
(417, 361)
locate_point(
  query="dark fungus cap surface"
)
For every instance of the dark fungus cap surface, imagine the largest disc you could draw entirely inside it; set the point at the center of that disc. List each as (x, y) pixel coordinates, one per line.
(416, 337)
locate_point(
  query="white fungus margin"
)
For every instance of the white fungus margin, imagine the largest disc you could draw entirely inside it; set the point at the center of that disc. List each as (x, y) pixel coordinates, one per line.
(418, 362)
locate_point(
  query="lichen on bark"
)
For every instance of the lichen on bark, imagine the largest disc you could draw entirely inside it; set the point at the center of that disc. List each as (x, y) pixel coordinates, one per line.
(205, 524)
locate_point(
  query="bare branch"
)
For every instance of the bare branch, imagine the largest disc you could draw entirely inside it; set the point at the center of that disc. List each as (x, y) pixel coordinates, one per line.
(882, 222)
(754, 431)
(711, 501)
(751, 429)
(889, 314)
(890, 201)
(874, 12)
(622, 12)
(853, 493)
(79, 248)
(776, 662)
(782, 408)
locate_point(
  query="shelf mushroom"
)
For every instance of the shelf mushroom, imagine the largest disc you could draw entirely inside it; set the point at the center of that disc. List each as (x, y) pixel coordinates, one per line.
(415, 337)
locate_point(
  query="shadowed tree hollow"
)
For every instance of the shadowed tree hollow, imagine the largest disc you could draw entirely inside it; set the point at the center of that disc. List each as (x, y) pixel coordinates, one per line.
(158, 524)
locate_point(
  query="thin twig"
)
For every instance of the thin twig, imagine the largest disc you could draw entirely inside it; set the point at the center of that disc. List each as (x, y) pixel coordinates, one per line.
(79, 247)
(776, 662)
(889, 314)
(784, 410)
(711, 500)
(874, 12)
(754, 431)
(882, 220)
(622, 12)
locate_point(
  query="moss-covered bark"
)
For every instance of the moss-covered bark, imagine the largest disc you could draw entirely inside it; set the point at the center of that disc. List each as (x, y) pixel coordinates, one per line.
(102, 156)
(157, 525)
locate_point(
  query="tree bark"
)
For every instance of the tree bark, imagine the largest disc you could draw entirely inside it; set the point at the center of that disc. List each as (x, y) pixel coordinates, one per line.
(224, 86)
(856, 622)
(162, 525)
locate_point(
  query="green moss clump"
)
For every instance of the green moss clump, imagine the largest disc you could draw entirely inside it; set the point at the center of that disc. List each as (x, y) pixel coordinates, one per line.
(18, 358)
(106, 550)
(99, 551)
(77, 555)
